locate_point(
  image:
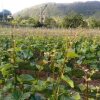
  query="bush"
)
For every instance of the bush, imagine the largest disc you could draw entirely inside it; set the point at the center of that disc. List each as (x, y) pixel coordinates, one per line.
(94, 23)
(74, 21)
(50, 23)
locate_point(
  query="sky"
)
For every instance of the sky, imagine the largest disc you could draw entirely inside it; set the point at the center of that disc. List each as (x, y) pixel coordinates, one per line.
(17, 5)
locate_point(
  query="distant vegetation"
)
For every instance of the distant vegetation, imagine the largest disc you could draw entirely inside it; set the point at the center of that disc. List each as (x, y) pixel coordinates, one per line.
(69, 21)
(91, 8)
(5, 15)
(54, 15)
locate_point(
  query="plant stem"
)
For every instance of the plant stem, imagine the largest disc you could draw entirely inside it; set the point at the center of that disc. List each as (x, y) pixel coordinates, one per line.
(57, 91)
(87, 87)
(14, 61)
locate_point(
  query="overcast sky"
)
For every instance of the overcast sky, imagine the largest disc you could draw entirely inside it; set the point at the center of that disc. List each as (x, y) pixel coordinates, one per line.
(17, 5)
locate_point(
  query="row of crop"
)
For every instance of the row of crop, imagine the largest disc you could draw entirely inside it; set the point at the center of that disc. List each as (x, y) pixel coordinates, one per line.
(46, 68)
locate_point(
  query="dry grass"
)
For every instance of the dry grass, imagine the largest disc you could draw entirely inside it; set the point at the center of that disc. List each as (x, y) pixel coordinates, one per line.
(49, 32)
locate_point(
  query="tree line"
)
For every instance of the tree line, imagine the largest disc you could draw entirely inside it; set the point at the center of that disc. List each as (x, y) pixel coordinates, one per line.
(69, 21)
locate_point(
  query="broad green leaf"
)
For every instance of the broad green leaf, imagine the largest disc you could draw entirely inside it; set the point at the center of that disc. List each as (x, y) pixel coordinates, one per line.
(76, 96)
(1, 81)
(5, 69)
(16, 95)
(68, 80)
(82, 87)
(39, 67)
(8, 97)
(39, 96)
(7, 87)
(71, 54)
(25, 78)
(25, 96)
(26, 54)
(13, 96)
(49, 79)
(64, 97)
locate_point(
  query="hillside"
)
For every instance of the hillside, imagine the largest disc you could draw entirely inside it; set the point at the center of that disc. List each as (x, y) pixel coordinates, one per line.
(61, 9)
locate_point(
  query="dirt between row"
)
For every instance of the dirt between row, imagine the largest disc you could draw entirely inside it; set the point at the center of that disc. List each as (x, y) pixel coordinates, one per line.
(44, 75)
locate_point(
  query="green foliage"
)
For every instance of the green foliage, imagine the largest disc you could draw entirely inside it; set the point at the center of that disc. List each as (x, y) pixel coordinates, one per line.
(67, 80)
(89, 51)
(30, 22)
(93, 23)
(73, 21)
(77, 73)
(50, 23)
(49, 62)
(25, 78)
(18, 95)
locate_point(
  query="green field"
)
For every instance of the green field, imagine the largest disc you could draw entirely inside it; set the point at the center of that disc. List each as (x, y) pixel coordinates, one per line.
(49, 64)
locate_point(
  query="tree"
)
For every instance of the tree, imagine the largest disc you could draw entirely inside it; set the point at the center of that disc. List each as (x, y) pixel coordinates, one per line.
(50, 23)
(93, 23)
(16, 21)
(5, 15)
(73, 21)
(84, 24)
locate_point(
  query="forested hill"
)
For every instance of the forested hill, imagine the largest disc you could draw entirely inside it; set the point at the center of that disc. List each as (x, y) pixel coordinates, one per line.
(90, 8)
